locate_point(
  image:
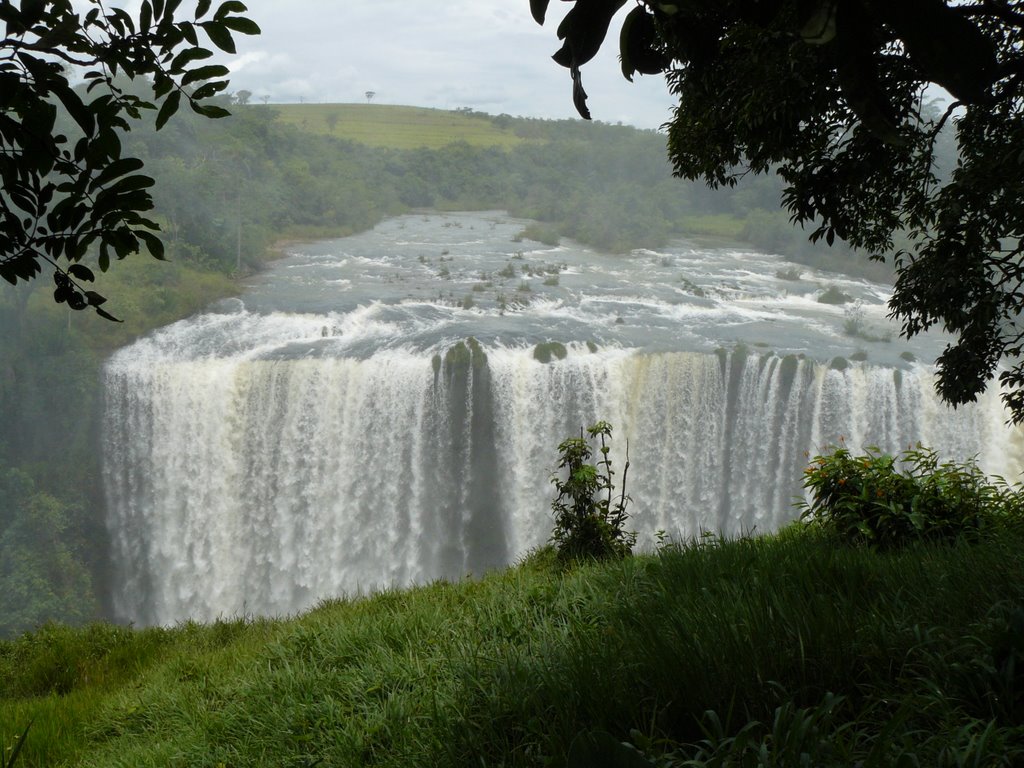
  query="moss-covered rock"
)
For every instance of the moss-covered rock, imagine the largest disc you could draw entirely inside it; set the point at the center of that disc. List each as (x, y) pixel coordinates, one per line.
(787, 369)
(465, 354)
(547, 351)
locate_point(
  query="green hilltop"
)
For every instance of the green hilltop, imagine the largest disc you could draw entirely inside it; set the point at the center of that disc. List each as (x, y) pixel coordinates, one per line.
(396, 127)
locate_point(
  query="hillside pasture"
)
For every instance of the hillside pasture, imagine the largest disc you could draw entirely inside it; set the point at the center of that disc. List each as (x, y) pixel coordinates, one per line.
(394, 127)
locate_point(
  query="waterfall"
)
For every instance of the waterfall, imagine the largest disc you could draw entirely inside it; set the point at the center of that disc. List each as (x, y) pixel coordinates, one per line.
(247, 485)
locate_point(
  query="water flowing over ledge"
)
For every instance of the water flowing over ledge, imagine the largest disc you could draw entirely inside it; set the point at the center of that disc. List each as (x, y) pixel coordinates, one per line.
(261, 486)
(336, 430)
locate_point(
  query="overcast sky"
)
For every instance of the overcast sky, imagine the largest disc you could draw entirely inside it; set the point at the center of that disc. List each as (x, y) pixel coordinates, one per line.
(485, 54)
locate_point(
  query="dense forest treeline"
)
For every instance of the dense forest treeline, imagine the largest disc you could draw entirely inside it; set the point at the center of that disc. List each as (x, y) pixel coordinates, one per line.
(228, 191)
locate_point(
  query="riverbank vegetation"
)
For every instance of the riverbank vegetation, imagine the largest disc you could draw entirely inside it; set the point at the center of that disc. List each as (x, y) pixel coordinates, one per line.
(760, 651)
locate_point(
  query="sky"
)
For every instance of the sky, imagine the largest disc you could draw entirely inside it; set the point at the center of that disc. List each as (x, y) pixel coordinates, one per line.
(489, 55)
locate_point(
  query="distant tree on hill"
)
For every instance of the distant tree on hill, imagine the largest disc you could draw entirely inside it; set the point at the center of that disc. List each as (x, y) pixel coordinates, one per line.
(832, 96)
(370, 95)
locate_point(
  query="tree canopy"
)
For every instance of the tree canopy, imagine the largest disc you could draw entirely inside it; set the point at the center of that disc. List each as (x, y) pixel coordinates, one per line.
(68, 185)
(837, 97)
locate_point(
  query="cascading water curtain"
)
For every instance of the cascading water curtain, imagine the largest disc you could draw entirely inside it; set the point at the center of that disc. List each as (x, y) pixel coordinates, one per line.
(262, 486)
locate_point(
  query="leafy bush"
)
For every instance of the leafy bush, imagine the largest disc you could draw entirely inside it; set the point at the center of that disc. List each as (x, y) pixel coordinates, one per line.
(589, 519)
(547, 234)
(887, 502)
(832, 295)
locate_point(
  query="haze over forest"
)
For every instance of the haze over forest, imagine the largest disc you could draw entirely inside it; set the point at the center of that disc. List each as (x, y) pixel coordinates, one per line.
(227, 192)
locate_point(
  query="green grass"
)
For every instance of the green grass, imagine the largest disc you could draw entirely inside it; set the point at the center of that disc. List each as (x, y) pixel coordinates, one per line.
(394, 127)
(828, 646)
(719, 225)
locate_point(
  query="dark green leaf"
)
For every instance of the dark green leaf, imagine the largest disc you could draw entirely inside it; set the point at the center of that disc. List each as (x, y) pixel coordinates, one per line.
(202, 8)
(229, 7)
(539, 9)
(32, 11)
(242, 24)
(579, 96)
(153, 243)
(210, 110)
(81, 272)
(205, 73)
(75, 300)
(114, 170)
(106, 315)
(130, 184)
(638, 45)
(12, 17)
(120, 19)
(162, 85)
(220, 35)
(584, 29)
(187, 56)
(169, 107)
(189, 32)
(206, 90)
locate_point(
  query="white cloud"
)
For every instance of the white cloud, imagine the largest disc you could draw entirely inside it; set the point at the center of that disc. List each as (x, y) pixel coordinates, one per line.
(486, 54)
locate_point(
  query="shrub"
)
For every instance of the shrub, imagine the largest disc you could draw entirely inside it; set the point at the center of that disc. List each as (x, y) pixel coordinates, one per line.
(854, 324)
(589, 519)
(542, 233)
(832, 295)
(887, 502)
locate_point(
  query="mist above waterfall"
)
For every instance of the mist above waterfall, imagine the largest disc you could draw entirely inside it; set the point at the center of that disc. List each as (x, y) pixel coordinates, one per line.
(333, 431)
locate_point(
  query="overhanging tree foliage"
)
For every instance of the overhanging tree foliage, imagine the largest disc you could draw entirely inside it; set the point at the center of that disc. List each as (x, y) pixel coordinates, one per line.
(70, 188)
(833, 95)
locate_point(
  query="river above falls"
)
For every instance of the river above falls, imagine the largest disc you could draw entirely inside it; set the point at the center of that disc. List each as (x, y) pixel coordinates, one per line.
(421, 282)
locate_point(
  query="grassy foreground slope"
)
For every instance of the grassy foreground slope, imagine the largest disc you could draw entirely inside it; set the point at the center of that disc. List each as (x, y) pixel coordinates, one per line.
(395, 127)
(795, 645)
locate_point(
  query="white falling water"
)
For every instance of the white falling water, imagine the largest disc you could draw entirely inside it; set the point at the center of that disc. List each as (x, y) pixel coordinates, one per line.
(243, 485)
